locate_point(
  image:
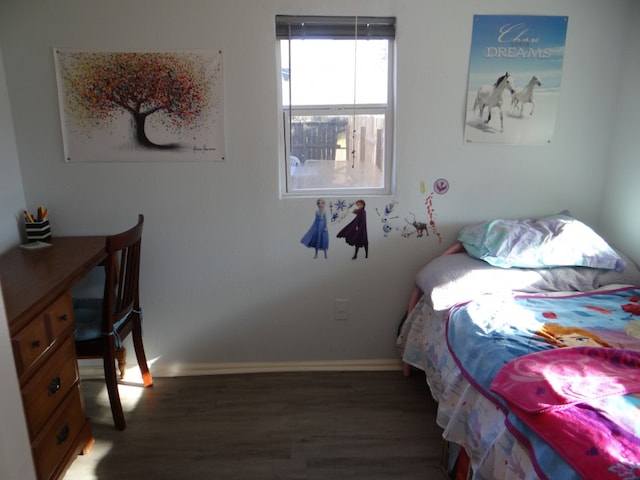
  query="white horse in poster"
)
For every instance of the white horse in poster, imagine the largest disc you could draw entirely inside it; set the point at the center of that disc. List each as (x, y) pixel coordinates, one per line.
(525, 96)
(490, 96)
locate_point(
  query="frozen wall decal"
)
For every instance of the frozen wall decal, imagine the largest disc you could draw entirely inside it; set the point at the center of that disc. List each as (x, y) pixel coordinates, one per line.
(355, 232)
(317, 237)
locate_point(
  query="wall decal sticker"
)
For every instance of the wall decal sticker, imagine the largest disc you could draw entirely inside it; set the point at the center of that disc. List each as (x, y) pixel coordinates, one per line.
(386, 219)
(317, 237)
(440, 186)
(339, 210)
(432, 216)
(355, 232)
(419, 227)
(393, 221)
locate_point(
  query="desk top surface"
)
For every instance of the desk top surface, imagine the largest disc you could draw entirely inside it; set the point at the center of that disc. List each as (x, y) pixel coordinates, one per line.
(32, 279)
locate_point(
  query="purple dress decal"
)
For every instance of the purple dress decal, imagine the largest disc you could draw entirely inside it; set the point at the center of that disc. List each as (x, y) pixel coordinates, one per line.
(355, 232)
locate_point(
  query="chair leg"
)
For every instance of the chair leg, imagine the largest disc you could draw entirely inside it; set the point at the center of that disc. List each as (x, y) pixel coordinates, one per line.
(140, 355)
(121, 357)
(112, 389)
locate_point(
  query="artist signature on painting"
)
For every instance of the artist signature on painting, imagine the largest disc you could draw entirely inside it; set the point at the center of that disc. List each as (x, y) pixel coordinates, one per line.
(202, 149)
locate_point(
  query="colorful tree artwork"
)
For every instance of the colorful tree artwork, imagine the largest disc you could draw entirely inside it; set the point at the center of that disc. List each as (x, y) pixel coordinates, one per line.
(136, 105)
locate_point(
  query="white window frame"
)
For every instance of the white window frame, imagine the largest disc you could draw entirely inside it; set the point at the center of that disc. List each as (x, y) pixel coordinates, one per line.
(345, 27)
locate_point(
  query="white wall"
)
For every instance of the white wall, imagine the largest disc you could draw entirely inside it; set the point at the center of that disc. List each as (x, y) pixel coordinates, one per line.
(15, 457)
(11, 193)
(622, 196)
(225, 278)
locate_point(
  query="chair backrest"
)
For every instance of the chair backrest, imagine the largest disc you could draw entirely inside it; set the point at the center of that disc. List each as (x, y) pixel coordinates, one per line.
(122, 267)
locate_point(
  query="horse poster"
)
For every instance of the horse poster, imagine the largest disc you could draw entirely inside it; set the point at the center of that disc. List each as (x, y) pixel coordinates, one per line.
(515, 69)
(141, 106)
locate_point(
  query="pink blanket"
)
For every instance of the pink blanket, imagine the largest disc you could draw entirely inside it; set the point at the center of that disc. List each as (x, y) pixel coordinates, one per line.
(584, 401)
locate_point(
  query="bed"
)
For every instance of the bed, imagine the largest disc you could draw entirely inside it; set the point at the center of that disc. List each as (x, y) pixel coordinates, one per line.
(528, 332)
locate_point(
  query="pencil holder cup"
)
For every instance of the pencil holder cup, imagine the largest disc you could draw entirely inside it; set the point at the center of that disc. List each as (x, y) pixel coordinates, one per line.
(38, 231)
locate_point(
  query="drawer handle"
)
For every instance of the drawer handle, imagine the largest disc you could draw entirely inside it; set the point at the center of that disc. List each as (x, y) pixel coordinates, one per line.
(62, 435)
(54, 386)
(35, 343)
(64, 317)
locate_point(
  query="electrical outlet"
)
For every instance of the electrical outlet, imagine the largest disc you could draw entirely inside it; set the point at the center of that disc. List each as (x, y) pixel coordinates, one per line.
(342, 309)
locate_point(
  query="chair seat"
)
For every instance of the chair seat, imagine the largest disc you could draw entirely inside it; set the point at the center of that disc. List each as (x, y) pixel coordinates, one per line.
(88, 316)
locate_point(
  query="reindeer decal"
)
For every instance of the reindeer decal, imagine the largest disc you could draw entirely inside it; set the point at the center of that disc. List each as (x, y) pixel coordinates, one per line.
(421, 227)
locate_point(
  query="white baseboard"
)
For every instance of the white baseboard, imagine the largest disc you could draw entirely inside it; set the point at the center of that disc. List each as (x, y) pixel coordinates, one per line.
(187, 370)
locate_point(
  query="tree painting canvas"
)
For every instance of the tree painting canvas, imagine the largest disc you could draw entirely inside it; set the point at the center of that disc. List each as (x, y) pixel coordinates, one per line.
(141, 106)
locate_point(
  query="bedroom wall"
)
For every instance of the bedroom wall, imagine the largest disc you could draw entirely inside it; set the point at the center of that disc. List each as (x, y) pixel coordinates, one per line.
(15, 458)
(224, 277)
(619, 216)
(12, 198)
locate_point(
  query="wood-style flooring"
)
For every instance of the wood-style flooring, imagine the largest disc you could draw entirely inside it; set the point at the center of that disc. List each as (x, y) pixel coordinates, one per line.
(298, 426)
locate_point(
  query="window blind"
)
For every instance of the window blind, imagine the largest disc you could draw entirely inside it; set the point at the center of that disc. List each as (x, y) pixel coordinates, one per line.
(299, 27)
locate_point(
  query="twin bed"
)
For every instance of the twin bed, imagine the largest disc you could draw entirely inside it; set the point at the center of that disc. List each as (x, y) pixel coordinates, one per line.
(528, 332)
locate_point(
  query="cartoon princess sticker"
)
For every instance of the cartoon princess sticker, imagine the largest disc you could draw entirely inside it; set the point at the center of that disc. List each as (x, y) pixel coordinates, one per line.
(317, 237)
(355, 232)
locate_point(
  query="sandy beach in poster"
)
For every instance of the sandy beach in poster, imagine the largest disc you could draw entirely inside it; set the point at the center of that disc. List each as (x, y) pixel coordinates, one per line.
(525, 129)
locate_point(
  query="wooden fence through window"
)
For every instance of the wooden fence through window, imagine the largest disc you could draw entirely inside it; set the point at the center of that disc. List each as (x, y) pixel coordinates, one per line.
(332, 139)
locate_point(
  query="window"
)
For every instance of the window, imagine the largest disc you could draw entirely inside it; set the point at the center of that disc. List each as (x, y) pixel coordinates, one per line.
(336, 98)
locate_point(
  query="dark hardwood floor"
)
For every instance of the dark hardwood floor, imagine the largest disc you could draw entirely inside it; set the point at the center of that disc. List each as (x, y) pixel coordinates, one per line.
(306, 426)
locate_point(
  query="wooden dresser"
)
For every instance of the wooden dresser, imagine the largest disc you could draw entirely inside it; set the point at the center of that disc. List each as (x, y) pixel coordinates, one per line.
(37, 288)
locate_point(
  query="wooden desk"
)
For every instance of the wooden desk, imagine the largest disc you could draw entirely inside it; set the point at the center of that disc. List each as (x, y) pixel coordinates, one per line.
(37, 293)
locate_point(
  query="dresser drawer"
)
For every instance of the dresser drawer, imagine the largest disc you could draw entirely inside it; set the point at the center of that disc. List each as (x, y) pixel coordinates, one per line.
(59, 435)
(48, 387)
(30, 343)
(59, 315)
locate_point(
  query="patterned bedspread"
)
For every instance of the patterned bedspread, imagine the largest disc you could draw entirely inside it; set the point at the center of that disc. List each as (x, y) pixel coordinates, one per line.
(466, 416)
(583, 401)
(485, 336)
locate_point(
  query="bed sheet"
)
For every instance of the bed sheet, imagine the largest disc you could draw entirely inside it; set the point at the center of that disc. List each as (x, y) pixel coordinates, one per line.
(467, 417)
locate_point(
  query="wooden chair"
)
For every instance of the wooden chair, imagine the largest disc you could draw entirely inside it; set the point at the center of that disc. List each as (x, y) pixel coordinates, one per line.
(103, 323)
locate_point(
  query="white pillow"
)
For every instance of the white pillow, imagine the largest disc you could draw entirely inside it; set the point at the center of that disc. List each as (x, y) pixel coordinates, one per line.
(558, 240)
(451, 279)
